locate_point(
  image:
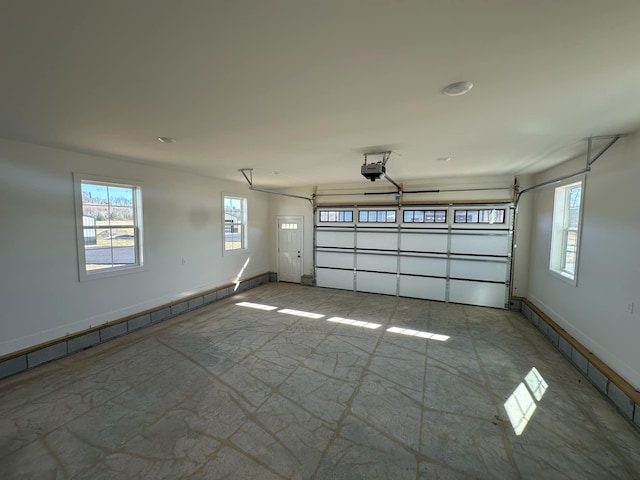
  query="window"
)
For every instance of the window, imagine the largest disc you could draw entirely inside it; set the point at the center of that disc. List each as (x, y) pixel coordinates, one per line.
(565, 233)
(425, 216)
(235, 223)
(441, 216)
(109, 226)
(336, 216)
(377, 216)
(489, 216)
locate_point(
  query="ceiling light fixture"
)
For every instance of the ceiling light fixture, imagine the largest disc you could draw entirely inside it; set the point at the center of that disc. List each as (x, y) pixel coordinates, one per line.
(166, 140)
(457, 88)
(443, 159)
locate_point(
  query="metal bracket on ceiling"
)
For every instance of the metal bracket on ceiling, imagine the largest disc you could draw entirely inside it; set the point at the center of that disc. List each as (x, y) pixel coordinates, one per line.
(590, 161)
(385, 156)
(249, 178)
(613, 139)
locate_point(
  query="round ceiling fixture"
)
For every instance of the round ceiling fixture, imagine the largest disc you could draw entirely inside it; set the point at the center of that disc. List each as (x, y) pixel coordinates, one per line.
(166, 140)
(457, 88)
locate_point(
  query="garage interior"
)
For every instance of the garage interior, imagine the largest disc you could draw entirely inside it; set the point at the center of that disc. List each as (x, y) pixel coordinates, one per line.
(319, 240)
(281, 382)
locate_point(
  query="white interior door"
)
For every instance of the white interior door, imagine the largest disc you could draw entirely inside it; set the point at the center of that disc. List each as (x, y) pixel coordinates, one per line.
(290, 249)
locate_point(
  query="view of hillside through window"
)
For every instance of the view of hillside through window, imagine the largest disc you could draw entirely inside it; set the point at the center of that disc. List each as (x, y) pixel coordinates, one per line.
(109, 225)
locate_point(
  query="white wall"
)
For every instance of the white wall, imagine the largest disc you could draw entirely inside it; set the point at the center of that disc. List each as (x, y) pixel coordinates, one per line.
(609, 265)
(40, 294)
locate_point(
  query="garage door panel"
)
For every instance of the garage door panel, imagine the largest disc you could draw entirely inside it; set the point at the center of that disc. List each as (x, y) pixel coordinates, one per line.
(424, 266)
(477, 293)
(376, 282)
(334, 259)
(378, 263)
(479, 270)
(342, 279)
(480, 244)
(334, 239)
(420, 287)
(423, 242)
(464, 263)
(379, 240)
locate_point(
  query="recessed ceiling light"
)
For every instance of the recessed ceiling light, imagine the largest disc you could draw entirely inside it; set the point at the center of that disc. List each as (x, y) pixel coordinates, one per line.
(166, 140)
(457, 88)
(443, 159)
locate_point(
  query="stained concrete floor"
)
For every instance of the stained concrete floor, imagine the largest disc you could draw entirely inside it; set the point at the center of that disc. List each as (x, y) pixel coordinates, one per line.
(232, 391)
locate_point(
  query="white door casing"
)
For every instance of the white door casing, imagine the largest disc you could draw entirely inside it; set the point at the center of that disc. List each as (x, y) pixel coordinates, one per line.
(290, 231)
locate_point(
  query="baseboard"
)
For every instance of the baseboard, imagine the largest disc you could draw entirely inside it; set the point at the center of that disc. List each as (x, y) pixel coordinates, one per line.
(620, 393)
(42, 353)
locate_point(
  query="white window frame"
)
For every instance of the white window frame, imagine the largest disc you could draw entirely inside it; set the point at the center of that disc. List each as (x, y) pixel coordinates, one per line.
(83, 273)
(560, 231)
(243, 222)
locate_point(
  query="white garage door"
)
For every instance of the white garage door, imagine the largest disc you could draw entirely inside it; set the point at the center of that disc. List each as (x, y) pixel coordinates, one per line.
(459, 254)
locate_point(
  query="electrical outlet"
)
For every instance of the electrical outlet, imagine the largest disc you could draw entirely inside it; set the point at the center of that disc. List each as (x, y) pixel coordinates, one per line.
(630, 307)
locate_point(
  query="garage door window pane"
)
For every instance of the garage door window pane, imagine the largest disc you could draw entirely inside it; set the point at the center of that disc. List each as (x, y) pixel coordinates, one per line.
(377, 216)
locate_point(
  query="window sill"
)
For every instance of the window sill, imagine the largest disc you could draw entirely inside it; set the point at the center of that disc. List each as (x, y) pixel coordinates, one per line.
(111, 272)
(565, 277)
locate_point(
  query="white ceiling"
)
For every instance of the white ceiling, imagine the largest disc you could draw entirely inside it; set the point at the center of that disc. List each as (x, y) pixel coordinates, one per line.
(303, 87)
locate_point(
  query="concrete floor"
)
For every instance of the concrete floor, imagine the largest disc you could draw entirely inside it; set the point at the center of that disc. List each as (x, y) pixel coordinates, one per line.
(231, 391)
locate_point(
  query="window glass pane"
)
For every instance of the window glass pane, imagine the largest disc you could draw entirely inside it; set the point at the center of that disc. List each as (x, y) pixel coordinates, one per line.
(234, 223)
(109, 226)
(441, 216)
(574, 207)
(123, 242)
(565, 232)
(94, 194)
(376, 216)
(120, 215)
(100, 213)
(419, 216)
(408, 216)
(120, 196)
(472, 216)
(336, 216)
(429, 216)
(460, 216)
